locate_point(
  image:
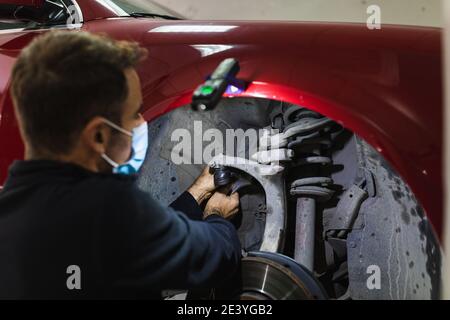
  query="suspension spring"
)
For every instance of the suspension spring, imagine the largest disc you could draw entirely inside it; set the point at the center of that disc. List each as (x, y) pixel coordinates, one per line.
(308, 146)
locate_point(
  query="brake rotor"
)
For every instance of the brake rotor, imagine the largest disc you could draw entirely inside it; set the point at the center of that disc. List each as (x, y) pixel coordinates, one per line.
(271, 276)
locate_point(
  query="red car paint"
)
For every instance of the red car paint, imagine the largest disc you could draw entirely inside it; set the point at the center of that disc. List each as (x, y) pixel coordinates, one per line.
(385, 85)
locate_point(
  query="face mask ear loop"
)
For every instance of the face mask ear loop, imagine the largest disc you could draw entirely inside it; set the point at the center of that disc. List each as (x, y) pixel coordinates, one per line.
(122, 130)
(110, 161)
(115, 126)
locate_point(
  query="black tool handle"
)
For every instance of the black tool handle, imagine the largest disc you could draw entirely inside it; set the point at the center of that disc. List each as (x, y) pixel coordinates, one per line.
(222, 176)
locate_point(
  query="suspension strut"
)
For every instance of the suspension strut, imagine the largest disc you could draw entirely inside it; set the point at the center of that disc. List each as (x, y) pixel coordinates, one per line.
(311, 134)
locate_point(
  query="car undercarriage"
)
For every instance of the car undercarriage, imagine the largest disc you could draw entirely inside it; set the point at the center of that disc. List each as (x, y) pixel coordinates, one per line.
(322, 214)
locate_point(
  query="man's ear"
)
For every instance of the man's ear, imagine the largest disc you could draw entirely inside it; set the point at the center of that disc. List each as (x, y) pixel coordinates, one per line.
(96, 135)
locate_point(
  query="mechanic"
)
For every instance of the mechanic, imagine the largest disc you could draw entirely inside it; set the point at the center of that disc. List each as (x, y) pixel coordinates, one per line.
(72, 224)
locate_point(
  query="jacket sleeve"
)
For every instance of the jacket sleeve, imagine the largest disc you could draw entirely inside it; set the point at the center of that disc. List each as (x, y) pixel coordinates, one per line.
(188, 205)
(160, 248)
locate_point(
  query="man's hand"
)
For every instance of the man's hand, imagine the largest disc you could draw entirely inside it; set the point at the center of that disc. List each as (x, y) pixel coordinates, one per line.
(222, 205)
(203, 187)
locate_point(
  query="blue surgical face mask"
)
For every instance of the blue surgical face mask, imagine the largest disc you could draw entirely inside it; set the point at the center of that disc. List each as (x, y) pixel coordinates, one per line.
(139, 146)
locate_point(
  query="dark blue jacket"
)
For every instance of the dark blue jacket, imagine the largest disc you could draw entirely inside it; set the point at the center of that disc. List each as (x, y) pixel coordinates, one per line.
(54, 215)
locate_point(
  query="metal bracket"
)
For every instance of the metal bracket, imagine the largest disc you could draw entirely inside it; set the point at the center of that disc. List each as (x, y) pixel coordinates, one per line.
(271, 179)
(346, 211)
(281, 140)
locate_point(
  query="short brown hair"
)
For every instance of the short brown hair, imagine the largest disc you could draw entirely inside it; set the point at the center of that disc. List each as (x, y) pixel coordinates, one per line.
(65, 78)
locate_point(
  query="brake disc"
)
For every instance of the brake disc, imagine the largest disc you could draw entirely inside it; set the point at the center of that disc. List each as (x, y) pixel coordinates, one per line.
(272, 276)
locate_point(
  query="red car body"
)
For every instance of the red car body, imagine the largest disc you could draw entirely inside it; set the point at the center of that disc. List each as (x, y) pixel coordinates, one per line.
(384, 85)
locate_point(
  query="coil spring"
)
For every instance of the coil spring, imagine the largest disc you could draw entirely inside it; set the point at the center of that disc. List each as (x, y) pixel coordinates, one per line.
(308, 147)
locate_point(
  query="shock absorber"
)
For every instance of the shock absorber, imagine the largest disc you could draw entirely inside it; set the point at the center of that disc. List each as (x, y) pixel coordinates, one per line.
(298, 137)
(308, 146)
(309, 191)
